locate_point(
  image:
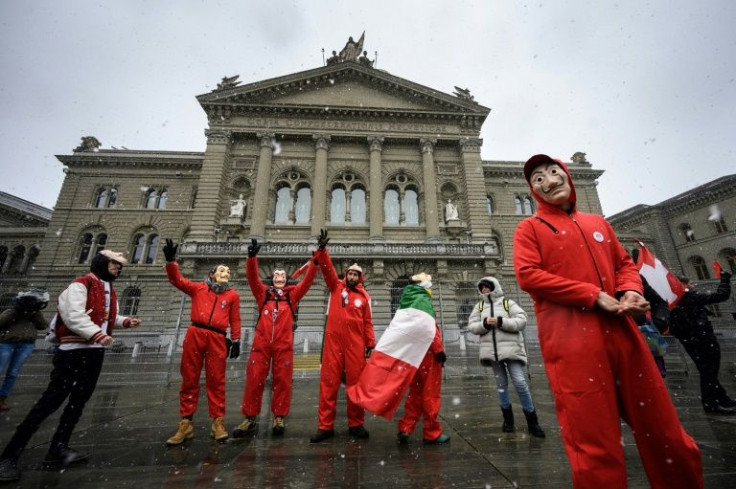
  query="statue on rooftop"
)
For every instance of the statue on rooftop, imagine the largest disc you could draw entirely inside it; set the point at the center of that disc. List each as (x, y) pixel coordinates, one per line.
(352, 49)
(228, 82)
(89, 143)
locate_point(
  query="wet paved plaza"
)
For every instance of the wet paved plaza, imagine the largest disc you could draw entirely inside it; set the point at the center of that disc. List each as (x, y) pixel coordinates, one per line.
(126, 423)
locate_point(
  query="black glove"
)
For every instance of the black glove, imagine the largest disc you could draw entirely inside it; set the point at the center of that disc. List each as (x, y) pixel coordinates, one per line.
(170, 250)
(725, 276)
(235, 349)
(441, 357)
(368, 351)
(254, 248)
(323, 239)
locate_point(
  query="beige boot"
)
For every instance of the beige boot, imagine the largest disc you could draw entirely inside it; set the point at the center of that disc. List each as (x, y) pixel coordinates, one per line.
(185, 432)
(218, 431)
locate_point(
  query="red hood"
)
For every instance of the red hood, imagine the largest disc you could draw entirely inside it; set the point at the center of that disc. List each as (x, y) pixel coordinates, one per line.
(537, 160)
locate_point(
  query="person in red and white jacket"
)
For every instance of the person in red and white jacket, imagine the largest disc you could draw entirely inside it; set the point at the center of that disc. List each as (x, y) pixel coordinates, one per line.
(215, 307)
(87, 316)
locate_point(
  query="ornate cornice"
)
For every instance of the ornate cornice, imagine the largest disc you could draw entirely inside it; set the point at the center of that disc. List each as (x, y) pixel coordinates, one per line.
(321, 141)
(427, 145)
(470, 145)
(139, 159)
(218, 136)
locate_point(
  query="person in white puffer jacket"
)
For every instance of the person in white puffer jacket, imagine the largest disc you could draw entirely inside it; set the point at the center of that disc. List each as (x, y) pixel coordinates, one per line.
(499, 322)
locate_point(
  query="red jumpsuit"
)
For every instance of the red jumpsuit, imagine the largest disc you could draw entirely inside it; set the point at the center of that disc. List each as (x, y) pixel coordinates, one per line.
(202, 345)
(598, 364)
(349, 331)
(274, 340)
(424, 394)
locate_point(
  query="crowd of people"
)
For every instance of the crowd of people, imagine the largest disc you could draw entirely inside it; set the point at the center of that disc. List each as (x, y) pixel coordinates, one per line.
(590, 301)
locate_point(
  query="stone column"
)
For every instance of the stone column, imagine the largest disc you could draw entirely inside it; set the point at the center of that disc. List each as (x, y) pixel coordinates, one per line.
(375, 200)
(263, 184)
(475, 190)
(431, 218)
(205, 217)
(319, 196)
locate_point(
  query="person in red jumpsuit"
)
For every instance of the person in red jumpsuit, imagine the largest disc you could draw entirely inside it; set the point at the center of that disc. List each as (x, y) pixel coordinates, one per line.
(348, 342)
(273, 345)
(424, 397)
(215, 307)
(585, 289)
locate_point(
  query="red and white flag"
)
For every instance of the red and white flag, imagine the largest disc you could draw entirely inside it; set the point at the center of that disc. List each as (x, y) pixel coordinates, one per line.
(664, 282)
(397, 356)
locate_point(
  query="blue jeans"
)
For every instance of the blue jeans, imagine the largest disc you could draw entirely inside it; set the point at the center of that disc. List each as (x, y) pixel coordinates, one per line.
(12, 357)
(515, 369)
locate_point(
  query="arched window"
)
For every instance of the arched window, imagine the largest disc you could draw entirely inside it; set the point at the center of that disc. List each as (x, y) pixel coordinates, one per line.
(113, 197)
(391, 208)
(90, 243)
(283, 206)
(155, 197)
(687, 232)
(151, 198)
(489, 204)
(519, 206)
(720, 225)
(163, 198)
(729, 256)
(411, 207)
(101, 199)
(303, 208)
(337, 206)
(701, 268)
(14, 263)
(131, 300)
(528, 206)
(357, 206)
(144, 247)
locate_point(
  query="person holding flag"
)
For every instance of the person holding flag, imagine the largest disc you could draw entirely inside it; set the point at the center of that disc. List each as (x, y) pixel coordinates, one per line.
(689, 323)
(348, 341)
(410, 355)
(585, 289)
(273, 345)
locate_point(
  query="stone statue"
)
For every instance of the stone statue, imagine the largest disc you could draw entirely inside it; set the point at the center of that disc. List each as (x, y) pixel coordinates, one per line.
(228, 82)
(352, 49)
(451, 212)
(364, 60)
(333, 59)
(89, 143)
(578, 157)
(463, 93)
(237, 207)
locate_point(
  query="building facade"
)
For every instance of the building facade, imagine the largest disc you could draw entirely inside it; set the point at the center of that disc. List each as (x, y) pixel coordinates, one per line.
(391, 168)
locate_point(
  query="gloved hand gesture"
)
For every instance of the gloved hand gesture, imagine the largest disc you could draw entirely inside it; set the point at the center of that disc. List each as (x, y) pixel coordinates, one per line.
(441, 357)
(368, 351)
(323, 239)
(235, 349)
(254, 248)
(170, 250)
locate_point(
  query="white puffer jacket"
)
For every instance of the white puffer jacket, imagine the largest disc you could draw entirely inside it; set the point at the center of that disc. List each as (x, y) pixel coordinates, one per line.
(504, 342)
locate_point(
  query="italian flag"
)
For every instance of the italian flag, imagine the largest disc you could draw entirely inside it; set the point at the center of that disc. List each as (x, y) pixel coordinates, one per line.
(397, 356)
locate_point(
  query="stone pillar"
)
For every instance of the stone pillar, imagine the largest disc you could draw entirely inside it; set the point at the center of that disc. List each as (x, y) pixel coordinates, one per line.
(206, 211)
(375, 200)
(431, 218)
(263, 184)
(319, 196)
(475, 190)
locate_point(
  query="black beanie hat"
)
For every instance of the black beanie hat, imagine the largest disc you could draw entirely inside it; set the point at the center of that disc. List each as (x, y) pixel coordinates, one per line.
(98, 266)
(487, 283)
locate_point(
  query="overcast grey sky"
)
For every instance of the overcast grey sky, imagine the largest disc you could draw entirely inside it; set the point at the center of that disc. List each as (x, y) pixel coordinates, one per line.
(646, 88)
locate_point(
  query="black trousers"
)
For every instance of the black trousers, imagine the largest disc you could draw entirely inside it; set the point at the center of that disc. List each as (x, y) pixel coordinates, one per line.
(702, 346)
(74, 376)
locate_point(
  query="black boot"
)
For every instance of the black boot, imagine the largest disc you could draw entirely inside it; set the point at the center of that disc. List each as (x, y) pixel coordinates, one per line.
(62, 457)
(9, 470)
(508, 420)
(533, 424)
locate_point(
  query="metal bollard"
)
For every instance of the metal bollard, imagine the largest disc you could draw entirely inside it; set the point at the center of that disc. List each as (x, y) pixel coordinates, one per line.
(136, 348)
(306, 344)
(462, 341)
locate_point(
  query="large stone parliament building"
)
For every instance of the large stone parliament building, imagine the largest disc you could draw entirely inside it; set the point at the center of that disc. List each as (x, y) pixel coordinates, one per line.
(391, 168)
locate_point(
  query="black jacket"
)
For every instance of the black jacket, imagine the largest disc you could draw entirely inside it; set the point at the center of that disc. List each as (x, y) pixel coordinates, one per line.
(691, 313)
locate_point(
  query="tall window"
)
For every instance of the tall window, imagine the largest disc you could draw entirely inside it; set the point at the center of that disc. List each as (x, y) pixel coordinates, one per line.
(283, 206)
(106, 197)
(303, 207)
(144, 247)
(155, 198)
(131, 300)
(337, 206)
(687, 232)
(701, 268)
(528, 206)
(411, 207)
(518, 205)
(90, 243)
(357, 206)
(391, 208)
(720, 225)
(489, 204)
(729, 255)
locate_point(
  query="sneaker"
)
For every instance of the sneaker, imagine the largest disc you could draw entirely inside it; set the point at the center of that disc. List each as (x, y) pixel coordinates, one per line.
(278, 426)
(63, 457)
(321, 436)
(359, 432)
(9, 470)
(218, 431)
(184, 432)
(403, 438)
(245, 428)
(443, 438)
